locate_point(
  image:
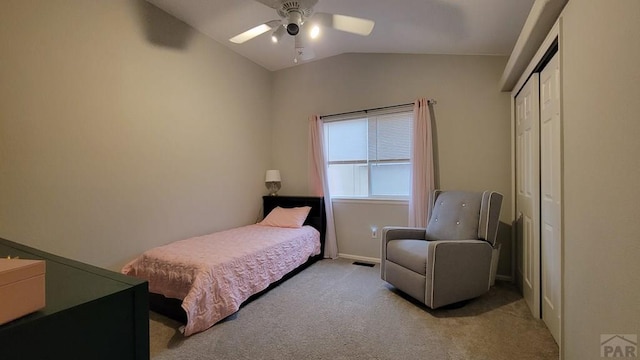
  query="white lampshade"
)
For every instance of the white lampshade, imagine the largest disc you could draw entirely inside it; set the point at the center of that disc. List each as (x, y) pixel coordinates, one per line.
(272, 175)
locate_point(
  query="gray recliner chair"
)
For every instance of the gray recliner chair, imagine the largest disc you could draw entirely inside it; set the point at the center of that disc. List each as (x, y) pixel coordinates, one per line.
(451, 260)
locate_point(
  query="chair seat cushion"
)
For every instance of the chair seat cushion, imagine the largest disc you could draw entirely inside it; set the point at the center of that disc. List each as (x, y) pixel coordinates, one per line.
(411, 254)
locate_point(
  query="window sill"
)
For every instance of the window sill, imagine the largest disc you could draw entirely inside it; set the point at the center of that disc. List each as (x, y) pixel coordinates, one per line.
(349, 200)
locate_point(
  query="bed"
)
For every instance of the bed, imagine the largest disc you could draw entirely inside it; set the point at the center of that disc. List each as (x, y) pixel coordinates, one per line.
(202, 280)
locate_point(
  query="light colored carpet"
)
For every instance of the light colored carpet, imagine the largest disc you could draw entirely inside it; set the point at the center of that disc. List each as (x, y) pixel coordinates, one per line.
(337, 310)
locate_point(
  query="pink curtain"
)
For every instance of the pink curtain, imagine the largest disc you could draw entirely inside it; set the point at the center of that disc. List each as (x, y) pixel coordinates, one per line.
(422, 179)
(318, 181)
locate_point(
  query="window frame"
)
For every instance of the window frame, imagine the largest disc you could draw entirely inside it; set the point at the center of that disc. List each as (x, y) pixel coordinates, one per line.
(396, 109)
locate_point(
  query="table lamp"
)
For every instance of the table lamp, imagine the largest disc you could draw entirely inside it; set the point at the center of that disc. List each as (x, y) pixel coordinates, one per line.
(273, 182)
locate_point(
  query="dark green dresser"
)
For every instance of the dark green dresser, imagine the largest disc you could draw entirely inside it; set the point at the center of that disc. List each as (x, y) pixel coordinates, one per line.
(90, 313)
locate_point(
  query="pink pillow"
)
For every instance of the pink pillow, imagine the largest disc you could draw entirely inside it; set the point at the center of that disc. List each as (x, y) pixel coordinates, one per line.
(286, 217)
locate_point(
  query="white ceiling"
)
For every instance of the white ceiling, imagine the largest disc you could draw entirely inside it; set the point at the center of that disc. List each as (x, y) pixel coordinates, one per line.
(463, 27)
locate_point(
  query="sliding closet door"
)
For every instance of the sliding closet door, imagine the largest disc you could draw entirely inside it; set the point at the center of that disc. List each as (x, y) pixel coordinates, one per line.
(528, 189)
(550, 194)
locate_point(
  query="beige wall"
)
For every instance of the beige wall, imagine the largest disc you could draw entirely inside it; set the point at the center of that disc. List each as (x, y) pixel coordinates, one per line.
(122, 128)
(471, 125)
(600, 53)
(355, 220)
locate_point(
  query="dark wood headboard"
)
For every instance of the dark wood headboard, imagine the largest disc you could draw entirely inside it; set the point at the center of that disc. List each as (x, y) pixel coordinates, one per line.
(317, 216)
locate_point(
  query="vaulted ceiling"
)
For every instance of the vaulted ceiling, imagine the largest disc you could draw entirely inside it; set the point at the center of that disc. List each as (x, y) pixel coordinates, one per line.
(462, 27)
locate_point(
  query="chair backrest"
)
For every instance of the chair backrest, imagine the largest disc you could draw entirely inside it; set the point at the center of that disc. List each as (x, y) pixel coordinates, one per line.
(464, 215)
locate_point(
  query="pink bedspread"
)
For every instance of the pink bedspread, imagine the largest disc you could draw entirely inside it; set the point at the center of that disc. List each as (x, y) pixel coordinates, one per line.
(213, 274)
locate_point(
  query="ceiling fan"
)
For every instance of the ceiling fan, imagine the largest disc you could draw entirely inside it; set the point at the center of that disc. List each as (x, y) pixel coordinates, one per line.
(298, 19)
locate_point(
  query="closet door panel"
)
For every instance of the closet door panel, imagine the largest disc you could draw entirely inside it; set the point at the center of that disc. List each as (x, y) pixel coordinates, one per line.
(550, 199)
(528, 189)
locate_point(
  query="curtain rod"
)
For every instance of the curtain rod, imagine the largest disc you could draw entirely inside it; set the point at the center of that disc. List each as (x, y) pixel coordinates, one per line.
(429, 102)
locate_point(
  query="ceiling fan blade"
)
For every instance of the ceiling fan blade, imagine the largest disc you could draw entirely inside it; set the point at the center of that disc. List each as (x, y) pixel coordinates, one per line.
(254, 31)
(345, 23)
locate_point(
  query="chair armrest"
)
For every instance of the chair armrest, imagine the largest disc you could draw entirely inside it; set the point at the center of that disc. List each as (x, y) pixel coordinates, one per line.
(393, 233)
(461, 242)
(458, 269)
(399, 232)
(479, 251)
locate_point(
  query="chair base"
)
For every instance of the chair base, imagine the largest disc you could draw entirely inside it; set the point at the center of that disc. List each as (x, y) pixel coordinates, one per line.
(409, 282)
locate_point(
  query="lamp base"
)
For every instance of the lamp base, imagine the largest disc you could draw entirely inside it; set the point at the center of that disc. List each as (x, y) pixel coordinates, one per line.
(273, 187)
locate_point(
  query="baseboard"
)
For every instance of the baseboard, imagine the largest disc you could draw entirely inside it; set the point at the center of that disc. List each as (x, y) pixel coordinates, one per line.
(359, 258)
(504, 278)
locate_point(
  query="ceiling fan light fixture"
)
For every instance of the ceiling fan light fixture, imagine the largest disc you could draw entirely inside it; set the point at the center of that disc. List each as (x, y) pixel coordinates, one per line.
(294, 20)
(315, 32)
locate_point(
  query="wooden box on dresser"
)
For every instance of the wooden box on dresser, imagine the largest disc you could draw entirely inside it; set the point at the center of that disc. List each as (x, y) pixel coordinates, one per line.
(90, 313)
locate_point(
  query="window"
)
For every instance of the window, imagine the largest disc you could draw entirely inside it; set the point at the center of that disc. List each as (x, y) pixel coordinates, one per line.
(369, 154)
